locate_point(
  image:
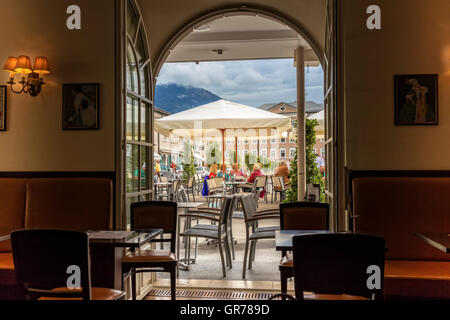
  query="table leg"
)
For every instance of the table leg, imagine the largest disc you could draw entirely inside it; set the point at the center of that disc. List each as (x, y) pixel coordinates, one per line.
(106, 267)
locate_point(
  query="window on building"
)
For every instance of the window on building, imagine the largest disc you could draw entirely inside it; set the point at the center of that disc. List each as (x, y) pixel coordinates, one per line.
(314, 151)
(292, 152)
(273, 141)
(255, 153)
(273, 153)
(264, 153)
(263, 141)
(164, 138)
(293, 140)
(282, 153)
(245, 141)
(322, 152)
(283, 140)
(283, 108)
(254, 141)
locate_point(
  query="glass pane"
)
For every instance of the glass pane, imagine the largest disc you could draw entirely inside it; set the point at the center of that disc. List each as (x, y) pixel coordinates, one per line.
(132, 20)
(144, 122)
(130, 200)
(132, 163)
(145, 84)
(141, 49)
(132, 76)
(132, 119)
(146, 172)
(146, 197)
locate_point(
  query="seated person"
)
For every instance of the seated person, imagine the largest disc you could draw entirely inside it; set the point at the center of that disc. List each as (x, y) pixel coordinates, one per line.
(223, 173)
(256, 173)
(283, 171)
(213, 171)
(237, 172)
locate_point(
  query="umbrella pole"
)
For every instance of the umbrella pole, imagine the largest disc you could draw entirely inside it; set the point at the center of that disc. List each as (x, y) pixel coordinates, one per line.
(236, 149)
(223, 145)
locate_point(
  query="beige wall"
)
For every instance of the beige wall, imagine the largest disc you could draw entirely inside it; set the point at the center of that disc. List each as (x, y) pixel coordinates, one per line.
(414, 39)
(34, 140)
(163, 18)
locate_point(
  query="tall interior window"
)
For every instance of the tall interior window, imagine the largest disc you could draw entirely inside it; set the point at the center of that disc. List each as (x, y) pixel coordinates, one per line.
(138, 111)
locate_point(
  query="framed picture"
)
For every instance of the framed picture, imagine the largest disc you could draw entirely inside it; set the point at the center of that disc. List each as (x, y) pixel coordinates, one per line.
(2, 108)
(416, 99)
(81, 102)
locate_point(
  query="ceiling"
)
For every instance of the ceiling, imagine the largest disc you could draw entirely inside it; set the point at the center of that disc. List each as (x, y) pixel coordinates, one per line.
(241, 37)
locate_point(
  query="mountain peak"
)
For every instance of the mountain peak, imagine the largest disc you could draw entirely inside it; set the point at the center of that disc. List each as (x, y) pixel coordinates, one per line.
(174, 98)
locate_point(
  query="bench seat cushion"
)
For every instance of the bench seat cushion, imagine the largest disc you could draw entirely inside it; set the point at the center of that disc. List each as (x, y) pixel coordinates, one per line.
(7, 274)
(420, 279)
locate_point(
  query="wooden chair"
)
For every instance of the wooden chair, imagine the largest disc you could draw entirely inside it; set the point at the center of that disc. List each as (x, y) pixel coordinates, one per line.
(278, 187)
(300, 216)
(42, 261)
(190, 187)
(253, 232)
(218, 233)
(153, 215)
(338, 266)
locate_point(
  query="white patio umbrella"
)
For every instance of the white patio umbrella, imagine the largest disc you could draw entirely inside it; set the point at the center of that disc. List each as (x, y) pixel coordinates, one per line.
(320, 117)
(213, 119)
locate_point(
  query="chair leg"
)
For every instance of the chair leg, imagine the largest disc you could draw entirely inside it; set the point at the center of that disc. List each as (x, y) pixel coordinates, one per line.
(173, 282)
(230, 259)
(232, 241)
(219, 242)
(250, 257)
(244, 262)
(133, 285)
(284, 280)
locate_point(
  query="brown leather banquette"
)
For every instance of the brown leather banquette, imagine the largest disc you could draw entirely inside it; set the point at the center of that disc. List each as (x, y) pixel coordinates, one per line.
(79, 204)
(396, 208)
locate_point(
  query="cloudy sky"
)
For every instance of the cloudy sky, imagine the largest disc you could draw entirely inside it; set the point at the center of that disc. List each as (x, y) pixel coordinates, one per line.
(250, 82)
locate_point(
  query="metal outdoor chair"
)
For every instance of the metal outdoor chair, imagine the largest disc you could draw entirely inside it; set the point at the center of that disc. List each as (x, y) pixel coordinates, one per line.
(253, 232)
(220, 233)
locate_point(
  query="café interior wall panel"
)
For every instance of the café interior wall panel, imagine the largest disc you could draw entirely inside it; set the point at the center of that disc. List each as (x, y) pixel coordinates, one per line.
(34, 140)
(414, 39)
(163, 18)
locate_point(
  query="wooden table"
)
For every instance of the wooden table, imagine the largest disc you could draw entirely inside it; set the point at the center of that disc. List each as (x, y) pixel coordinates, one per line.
(439, 240)
(106, 256)
(283, 238)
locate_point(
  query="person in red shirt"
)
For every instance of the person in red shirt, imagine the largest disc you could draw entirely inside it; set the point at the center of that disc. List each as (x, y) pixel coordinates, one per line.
(213, 171)
(256, 173)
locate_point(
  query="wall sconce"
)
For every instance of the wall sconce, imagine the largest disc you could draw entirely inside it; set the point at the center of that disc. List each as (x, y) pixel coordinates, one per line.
(32, 79)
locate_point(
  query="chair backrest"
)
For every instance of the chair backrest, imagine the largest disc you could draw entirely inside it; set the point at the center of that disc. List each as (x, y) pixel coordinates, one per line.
(182, 195)
(163, 179)
(248, 206)
(226, 210)
(218, 182)
(211, 184)
(304, 216)
(260, 182)
(176, 185)
(191, 181)
(278, 182)
(156, 215)
(339, 264)
(43, 260)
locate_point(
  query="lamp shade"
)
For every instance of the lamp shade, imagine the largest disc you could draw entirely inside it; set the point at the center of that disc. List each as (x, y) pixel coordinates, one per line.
(23, 65)
(41, 65)
(10, 65)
